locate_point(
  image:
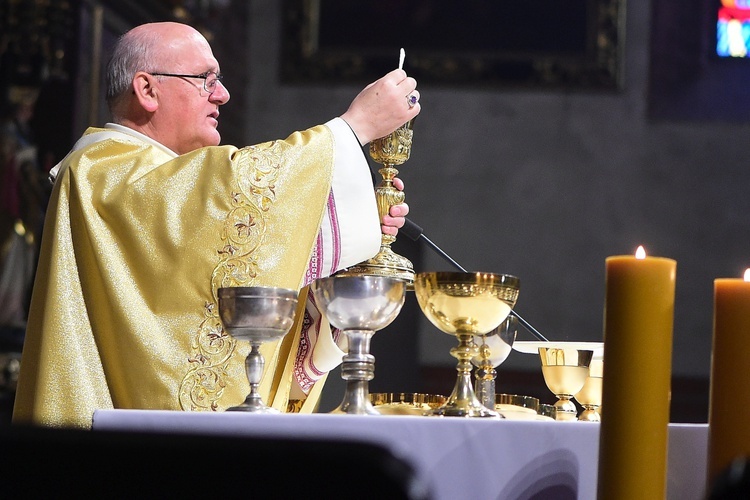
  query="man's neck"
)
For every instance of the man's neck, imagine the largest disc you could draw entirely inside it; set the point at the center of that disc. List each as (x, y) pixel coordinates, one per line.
(126, 129)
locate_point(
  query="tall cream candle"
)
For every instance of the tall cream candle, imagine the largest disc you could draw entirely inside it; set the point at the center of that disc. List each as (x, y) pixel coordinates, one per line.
(729, 400)
(638, 323)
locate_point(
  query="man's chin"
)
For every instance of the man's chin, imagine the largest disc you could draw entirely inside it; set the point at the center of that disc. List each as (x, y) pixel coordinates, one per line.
(213, 139)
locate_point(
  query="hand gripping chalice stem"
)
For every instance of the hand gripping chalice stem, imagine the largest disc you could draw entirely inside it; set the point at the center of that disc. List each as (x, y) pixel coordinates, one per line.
(390, 151)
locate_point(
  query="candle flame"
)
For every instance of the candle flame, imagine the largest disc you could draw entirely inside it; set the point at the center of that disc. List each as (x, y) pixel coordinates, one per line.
(747, 274)
(640, 253)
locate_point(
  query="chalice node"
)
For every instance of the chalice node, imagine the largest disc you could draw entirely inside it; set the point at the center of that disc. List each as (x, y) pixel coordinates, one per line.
(256, 314)
(465, 305)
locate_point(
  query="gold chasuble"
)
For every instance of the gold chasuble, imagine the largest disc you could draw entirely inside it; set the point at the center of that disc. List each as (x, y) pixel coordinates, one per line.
(136, 243)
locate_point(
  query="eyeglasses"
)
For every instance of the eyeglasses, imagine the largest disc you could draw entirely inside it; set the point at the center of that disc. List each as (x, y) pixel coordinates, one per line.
(210, 79)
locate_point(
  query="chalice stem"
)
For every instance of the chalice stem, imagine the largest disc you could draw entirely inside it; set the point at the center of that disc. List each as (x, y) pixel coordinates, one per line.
(463, 401)
(485, 392)
(463, 391)
(254, 364)
(484, 385)
(590, 413)
(465, 350)
(358, 368)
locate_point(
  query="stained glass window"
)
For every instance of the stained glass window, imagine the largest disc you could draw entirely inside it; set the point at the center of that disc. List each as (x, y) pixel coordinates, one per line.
(733, 28)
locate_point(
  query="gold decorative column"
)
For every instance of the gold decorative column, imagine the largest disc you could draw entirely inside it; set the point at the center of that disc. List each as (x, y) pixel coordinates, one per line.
(391, 150)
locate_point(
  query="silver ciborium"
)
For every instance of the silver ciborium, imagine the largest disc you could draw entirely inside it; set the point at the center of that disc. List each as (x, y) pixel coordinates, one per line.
(494, 348)
(359, 306)
(256, 314)
(465, 305)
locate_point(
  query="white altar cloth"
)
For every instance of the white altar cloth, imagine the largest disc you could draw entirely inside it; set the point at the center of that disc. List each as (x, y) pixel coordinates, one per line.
(457, 457)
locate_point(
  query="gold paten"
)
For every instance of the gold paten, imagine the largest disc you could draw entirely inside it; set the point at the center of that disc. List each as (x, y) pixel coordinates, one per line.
(400, 403)
(465, 305)
(391, 150)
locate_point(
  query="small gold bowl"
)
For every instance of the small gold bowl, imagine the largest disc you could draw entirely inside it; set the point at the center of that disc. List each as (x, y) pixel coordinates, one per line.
(516, 400)
(516, 406)
(401, 403)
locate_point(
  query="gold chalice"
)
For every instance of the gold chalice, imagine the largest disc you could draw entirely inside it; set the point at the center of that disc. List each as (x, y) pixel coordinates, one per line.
(257, 314)
(565, 370)
(391, 150)
(590, 395)
(465, 305)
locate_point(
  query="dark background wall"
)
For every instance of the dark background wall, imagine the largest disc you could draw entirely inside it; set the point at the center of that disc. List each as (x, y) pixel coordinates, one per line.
(546, 184)
(540, 183)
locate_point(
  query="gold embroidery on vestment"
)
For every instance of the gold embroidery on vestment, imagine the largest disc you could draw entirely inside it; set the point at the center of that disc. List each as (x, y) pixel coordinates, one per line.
(294, 405)
(242, 234)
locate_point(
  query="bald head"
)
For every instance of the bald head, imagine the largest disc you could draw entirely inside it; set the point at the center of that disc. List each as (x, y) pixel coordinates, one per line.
(157, 85)
(148, 48)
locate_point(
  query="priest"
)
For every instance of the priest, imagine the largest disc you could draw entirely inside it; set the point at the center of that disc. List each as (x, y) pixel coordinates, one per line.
(150, 216)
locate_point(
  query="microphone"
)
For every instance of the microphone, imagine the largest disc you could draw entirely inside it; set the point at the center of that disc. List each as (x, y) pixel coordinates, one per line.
(415, 233)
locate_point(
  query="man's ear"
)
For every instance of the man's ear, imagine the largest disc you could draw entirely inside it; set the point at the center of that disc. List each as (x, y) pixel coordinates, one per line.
(145, 91)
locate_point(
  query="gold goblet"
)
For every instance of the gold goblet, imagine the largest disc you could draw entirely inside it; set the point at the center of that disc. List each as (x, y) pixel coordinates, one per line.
(257, 314)
(465, 305)
(391, 150)
(590, 395)
(565, 371)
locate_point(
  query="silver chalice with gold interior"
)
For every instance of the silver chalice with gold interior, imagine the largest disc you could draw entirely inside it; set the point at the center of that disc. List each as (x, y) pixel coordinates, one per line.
(465, 305)
(359, 306)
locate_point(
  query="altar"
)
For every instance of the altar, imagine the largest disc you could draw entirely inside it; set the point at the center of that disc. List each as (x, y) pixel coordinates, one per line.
(456, 457)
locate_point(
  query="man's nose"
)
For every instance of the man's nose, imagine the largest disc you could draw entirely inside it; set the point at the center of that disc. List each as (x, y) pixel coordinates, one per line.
(221, 94)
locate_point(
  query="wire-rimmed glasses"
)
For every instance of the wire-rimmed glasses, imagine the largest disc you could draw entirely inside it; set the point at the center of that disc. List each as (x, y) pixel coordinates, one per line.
(210, 79)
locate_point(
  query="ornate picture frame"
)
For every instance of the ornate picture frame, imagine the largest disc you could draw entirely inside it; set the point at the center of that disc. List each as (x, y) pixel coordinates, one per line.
(545, 44)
